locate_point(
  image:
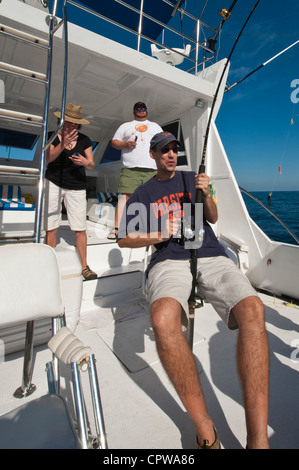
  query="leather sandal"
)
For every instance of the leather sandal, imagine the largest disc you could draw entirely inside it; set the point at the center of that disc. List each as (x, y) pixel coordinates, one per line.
(112, 235)
(88, 274)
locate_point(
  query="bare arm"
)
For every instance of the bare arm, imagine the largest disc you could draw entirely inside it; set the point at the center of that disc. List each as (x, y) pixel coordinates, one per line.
(86, 161)
(138, 240)
(119, 144)
(209, 207)
(66, 139)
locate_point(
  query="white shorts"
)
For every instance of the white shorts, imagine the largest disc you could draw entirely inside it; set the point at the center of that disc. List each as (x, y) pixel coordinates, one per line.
(220, 281)
(74, 202)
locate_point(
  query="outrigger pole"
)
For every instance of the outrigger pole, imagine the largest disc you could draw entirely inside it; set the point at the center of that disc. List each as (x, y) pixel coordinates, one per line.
(199, 196)
(261, 66)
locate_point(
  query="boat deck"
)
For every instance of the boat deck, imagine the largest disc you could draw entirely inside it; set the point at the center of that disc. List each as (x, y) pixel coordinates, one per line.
(141, 409)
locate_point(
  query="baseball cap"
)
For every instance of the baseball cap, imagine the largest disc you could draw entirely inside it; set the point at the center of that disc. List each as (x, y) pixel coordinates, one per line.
(140, 105)
(163, 138)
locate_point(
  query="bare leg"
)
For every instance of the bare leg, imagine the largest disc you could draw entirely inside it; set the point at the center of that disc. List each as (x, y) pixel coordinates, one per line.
(253, 366)
(119, 208)
(81, 242)
(51, 237)
(179, 363)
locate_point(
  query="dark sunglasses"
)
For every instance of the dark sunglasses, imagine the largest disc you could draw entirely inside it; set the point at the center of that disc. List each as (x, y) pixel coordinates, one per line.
(141, 109)
(167, 149)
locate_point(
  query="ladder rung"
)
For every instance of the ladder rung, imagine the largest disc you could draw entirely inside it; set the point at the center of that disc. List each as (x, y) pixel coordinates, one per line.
(19, 170)
(22, 71)
(17, 115)
(23, 35)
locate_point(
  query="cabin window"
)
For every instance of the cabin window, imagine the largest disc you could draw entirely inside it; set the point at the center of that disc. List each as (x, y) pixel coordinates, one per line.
(16, 145)
(110, 155)
(94, 146)
(176, 129)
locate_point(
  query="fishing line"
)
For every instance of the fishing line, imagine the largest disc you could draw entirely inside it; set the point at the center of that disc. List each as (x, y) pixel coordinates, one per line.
(212, 41)
(182, 12)
(270, 212)
(200, 17)
(219, 84)
(218, 50)
(202, 11)
(228, 88)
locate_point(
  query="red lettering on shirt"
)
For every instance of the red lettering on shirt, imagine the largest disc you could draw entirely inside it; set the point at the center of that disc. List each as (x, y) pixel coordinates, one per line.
(171, 204)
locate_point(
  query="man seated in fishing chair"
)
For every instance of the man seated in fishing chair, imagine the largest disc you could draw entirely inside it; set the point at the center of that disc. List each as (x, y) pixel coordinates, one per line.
(221, 282)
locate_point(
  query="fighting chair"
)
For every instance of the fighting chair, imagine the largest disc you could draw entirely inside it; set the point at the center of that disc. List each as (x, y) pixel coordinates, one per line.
(31, 290)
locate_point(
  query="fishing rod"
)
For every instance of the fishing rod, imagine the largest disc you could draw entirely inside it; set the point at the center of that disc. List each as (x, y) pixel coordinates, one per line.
(259, 67)
(225, 13)
(199, 195)
(219, 84)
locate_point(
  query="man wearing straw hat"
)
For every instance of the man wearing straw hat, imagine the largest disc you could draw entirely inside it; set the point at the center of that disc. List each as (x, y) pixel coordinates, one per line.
(67, 157)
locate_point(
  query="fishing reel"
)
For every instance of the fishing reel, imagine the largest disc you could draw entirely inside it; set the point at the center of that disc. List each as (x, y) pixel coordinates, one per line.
(225, 13)
(185, 232)
(189, 236)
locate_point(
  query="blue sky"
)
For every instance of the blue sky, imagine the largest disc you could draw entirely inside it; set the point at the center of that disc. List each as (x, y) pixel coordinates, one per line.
(254, 121)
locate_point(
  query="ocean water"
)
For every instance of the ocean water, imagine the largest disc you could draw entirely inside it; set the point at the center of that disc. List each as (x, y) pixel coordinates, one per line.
(284, 204)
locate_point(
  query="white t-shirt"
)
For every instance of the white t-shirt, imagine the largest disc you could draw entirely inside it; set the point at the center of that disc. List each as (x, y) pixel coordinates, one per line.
(138, 157)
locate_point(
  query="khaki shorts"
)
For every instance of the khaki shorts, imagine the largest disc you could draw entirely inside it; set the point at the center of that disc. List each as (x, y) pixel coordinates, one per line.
(221, 283)
(131, 178)
(74, 202)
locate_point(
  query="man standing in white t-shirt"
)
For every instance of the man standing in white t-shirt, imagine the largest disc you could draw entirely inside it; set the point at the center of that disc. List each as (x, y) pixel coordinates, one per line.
(133, 139)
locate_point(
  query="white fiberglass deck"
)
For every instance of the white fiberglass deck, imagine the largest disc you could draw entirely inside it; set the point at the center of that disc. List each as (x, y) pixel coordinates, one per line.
(142, 410)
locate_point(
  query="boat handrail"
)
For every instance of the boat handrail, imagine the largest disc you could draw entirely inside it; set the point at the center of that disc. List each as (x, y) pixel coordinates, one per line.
(142, 15)
(63, 23)
(45, 142)
(46, 79)
(270, 212)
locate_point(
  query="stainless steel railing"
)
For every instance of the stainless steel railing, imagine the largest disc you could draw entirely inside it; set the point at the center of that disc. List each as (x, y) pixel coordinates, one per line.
(196, 45)
(53, 27)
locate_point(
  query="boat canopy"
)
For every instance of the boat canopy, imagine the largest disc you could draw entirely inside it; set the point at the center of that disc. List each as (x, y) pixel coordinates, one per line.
(156, 9)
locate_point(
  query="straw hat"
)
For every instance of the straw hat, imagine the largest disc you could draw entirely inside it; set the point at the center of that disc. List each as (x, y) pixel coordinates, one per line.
(73, 113)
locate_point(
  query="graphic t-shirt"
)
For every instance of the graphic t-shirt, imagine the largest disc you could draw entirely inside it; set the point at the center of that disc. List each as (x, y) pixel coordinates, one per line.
(63, 172)
(153, 202)
(143, 131)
